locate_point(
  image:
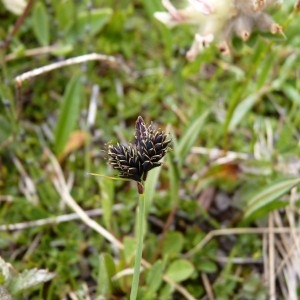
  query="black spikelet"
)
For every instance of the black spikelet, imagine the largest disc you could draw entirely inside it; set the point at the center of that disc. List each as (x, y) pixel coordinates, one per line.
(135, 161)
(153, 148)
(126, 160)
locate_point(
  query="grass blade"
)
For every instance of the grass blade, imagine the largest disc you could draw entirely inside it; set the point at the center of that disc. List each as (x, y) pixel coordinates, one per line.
(41, 24)
(267, 197)
(68, 114)
(189, 138)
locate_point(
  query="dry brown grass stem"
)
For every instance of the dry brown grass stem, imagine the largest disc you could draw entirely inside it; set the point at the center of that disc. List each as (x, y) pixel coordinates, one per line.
(291, 215)
(235, 231)
(288, 272)
(207, 287)
(220, 155)
(284, 249)
(265, 257)
(271, 260)
(61, 64)
(55, 220)
(26, 183)
(238, 260)
(61, 187)
(21, 19)
(33, 52)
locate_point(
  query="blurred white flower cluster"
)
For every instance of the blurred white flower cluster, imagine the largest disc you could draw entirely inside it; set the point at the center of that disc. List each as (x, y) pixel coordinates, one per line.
(220, 20)
(15, 6)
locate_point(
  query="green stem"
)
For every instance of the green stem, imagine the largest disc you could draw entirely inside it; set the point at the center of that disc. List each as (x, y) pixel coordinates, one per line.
(139, 250)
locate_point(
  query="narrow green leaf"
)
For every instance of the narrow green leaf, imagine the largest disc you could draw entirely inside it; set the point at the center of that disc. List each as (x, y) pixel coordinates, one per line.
(265, 69)
(90, 22)
(5, 129)
(241, 110)
(68, 113)
(107, 196)
(268, 195)
(272, 37)
(150, 187)
(40, 21)
(129, 248)
(174, 174)
(64, 13)
(106, 271)
(189, 138)
(180, 270)
(292, 93)
(154, 278)
(285, 71)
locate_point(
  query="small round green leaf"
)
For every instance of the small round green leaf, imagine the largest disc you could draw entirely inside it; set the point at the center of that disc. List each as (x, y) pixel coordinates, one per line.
(180, 270)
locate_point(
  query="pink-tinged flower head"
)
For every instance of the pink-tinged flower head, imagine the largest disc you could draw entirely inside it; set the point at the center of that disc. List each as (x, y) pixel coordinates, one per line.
(219, 20)
(15, 6)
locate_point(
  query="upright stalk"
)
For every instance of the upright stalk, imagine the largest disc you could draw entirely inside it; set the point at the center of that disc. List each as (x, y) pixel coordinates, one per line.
(134, 161)
(139, 249)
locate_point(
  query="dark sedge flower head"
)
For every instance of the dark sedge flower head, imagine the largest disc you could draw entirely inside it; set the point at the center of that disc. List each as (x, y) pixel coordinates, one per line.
(135, 161)
(152, 144)
(126, 160)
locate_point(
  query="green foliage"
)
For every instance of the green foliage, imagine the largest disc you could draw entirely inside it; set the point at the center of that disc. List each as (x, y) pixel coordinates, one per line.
(14, 283)
(5, 129)
(93, 20)
(69, 113)
(107, 197)
(154, 278)
(40, 20)
(173, 244)
(106, 272)
(150, 187)
(180, 270)
(189, 138)
(260, 203)
(245, 105)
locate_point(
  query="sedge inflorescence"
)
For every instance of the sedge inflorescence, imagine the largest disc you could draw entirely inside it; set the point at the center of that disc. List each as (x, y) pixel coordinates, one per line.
(220, 20)
(134, 161)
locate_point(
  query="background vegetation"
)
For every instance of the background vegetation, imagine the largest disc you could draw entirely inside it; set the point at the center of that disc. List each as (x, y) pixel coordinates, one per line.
(228, 188)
